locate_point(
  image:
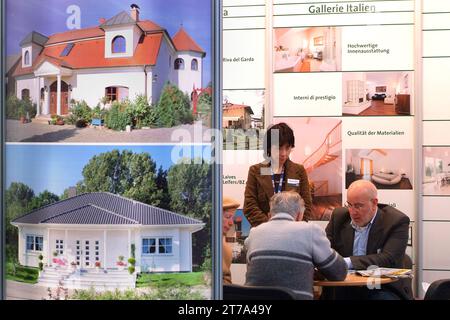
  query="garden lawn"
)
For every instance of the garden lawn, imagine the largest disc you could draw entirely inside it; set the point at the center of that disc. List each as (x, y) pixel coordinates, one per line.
(22, 274)
(170, 279)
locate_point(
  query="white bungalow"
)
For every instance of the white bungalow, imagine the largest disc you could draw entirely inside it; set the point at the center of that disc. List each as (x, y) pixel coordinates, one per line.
(121, 57)
(98, 228)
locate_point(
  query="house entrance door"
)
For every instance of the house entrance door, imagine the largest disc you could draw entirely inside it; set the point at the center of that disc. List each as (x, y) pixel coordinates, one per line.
(88, 253)
(64, 97)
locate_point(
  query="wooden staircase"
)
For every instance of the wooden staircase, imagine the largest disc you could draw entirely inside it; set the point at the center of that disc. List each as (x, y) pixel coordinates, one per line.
(324, 154)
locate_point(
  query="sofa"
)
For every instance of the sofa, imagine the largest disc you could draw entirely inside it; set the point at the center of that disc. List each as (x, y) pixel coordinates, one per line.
(388, 178)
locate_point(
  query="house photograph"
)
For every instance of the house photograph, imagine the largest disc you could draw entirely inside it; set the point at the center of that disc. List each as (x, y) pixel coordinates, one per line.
(307, 49)
(115, 70)
(243, 119)
(107, 217)
(436, 162)
(380, 166)
(377, 93)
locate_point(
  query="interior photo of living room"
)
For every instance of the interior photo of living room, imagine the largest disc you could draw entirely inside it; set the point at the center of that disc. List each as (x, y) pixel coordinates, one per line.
(385, 168)
(321, 155)
(307, 49)
(377, 93)
(436, 164)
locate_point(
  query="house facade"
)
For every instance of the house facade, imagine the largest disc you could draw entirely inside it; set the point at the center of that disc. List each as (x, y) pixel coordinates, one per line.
(121, 57)
(98, 228)
(237, 116)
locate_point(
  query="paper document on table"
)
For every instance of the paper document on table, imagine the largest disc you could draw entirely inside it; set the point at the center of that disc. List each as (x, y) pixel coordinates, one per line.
(386, 272)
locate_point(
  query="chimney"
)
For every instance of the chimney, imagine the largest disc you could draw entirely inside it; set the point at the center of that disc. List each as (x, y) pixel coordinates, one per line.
(72, 192)
(135, 12)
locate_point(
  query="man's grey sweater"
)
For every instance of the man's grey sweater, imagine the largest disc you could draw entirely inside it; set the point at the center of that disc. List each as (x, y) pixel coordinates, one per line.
(283, 252)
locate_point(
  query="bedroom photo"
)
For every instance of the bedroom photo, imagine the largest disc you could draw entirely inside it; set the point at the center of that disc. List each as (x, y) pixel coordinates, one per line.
(380, 166)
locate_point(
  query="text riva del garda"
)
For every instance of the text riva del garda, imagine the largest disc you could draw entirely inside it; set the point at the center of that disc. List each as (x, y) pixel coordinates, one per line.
(341, 8)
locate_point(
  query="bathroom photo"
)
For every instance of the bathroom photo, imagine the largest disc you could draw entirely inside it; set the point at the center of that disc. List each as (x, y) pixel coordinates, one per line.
(312, 49)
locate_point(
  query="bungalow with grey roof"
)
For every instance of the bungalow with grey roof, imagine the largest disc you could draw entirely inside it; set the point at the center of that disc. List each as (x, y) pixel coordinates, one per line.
(94, 229)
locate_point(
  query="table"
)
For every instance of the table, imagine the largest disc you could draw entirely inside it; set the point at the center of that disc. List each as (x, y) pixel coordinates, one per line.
(354, 280)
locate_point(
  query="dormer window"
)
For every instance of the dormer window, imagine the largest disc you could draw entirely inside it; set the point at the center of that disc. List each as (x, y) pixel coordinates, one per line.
(179, 64)
(26, 58)
(119, 45)
(194, 64)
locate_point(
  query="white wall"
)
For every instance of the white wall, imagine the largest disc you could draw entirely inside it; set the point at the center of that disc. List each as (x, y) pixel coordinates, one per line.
(187, 78)
(28, 82)
(116, 245)
(185, 250)
(163, 70)
(89, 85)
(163, 263)
(331, 172)
(31, 259)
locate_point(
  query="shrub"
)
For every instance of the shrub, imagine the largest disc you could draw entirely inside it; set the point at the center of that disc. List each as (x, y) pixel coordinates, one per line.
(132, 261)
(41, 257)
(81, 123)
(117, 118)
(173, 107)
(70, 119)
(81, 110)
(41, 266)
(16, 108)
(138, 110)
(131, 269)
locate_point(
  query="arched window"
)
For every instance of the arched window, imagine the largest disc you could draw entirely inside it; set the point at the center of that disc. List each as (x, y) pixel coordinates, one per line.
(119, 45)
(26, 58)
(25, 94)
(194, 64)
(179, 64)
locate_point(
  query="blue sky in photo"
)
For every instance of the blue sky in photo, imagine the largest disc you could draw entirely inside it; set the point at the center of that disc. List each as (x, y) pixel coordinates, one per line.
(57, 167)
(49, 17)
(245, 224)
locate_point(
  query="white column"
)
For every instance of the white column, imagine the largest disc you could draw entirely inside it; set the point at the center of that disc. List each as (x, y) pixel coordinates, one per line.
(129, 243)
(58, 95)
(104, 248)
(38, 100)
(49, 253)
(65, 246)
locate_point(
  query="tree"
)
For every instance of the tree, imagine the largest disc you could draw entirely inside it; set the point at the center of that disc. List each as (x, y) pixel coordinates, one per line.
(18, 198)
(43, 199)
(161, 184)
(125, 173)
(190, 194)
(173, 108)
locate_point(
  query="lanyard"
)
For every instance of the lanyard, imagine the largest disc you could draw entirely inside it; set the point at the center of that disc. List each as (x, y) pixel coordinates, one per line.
(280, 184)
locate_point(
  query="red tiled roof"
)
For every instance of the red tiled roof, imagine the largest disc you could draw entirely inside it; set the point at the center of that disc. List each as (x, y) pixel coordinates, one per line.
(231, 106)
(91, 54)
(74, 35)
(149, 26)
(183, 42)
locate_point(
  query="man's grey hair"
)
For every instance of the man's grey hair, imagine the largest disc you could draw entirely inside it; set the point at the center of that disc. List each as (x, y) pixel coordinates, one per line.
(287, 202)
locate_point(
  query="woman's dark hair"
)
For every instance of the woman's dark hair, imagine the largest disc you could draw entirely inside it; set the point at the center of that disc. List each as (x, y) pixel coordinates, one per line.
(285, 137)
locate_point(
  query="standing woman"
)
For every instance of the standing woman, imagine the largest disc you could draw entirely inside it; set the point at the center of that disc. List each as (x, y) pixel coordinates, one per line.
(278, 173)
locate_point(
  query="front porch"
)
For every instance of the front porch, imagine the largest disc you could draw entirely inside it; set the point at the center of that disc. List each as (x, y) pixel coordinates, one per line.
(55, 93)
(100, 280)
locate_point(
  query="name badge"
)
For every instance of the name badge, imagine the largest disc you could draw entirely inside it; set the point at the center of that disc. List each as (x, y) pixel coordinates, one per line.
(294, 182)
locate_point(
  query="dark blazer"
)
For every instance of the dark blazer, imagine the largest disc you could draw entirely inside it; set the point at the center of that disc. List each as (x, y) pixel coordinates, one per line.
(259, 190)
(386, 245)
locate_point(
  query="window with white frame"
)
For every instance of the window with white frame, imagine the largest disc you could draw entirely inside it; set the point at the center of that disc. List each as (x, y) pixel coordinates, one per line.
(179, 64)
(157, 246)
(35, 243)
(59, 247)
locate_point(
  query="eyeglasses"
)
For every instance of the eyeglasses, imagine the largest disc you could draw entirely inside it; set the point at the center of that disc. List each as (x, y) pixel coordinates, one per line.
(356, 206)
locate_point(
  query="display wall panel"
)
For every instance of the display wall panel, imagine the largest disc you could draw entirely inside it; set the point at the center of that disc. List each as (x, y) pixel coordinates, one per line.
(436, 237)
(435, 208)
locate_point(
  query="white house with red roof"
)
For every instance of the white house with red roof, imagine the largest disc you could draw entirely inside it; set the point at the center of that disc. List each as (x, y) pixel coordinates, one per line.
(120, 58)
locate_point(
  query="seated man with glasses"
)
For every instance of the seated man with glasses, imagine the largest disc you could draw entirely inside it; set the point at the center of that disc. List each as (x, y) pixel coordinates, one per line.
(366, 234)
